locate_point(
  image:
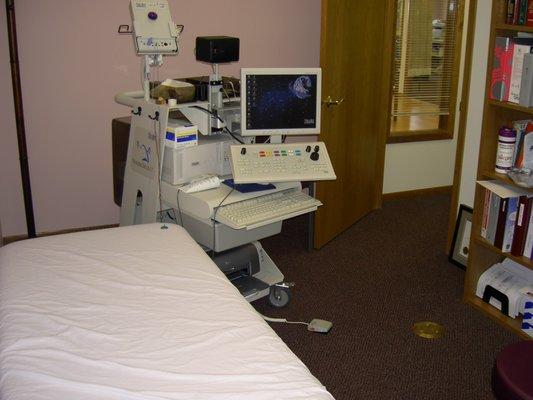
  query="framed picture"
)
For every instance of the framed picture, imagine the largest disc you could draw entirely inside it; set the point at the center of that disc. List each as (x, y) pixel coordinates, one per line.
(461, 237)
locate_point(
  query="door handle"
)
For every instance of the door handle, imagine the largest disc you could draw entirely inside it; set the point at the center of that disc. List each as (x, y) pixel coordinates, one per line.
(330, 102)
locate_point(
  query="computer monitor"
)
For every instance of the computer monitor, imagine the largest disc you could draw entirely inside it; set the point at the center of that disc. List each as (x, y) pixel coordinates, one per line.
(280, 101)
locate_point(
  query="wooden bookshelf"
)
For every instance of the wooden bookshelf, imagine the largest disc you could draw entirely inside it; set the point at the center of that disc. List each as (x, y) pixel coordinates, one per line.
(497, 316)
(496, 114)
(510, 106)
(512, 28)
(522, 260)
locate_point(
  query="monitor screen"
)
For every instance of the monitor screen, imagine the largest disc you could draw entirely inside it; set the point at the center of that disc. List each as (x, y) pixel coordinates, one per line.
(280, 101)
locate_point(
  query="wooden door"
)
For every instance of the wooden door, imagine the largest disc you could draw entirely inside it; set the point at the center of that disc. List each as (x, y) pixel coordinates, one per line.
(356, 56)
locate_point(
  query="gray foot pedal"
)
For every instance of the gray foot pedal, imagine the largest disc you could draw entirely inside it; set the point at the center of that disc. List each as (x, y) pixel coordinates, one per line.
(319, 325)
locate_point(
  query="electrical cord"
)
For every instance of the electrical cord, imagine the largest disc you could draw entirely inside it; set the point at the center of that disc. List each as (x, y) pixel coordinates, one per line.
(171, 217)
(233, 89)
(221, 120)
(157, 132)
(179, 209)
(215, 222)
(226, 93)
(282, 320)
(209, 112)
(233, 135)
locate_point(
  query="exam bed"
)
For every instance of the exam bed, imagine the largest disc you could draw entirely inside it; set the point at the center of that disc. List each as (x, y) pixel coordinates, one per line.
(136, 312)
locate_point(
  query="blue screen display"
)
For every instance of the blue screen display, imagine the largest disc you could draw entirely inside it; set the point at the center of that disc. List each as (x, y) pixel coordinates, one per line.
(281, 101)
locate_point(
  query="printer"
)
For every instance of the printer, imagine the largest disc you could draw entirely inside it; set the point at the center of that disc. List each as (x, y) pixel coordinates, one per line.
(242, 265)
(504, 286)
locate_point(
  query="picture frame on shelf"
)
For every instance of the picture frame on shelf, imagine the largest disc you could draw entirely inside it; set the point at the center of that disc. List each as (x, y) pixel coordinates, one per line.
(460, 247)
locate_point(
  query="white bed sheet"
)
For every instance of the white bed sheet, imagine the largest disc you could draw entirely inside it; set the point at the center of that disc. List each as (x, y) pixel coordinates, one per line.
(134, 313)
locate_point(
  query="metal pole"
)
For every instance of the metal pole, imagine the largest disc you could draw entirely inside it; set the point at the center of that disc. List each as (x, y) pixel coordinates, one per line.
(19, 116)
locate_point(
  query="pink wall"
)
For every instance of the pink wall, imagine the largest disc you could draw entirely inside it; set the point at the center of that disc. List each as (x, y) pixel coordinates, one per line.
(72, 64)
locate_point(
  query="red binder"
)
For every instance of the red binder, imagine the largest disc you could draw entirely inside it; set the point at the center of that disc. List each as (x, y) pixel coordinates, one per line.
(501, 68)
(522, 223)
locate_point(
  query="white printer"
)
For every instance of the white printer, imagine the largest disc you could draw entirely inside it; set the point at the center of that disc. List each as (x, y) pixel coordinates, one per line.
(504, 286)
(210, 156)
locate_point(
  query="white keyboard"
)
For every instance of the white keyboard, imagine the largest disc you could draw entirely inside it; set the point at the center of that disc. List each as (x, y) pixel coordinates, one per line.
(264, 210)
(285, 162)
(201, 183)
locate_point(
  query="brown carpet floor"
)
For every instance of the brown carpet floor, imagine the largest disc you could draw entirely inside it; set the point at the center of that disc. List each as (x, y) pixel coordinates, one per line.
(373, 282)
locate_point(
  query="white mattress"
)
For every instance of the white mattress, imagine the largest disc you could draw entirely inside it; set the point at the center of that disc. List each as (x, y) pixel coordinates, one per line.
(134, 313)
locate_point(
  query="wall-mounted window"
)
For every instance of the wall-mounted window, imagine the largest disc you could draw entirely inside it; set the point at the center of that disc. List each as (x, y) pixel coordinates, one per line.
(427, 46)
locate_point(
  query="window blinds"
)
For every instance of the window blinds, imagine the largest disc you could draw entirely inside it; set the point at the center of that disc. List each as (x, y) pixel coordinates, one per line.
(424, 57)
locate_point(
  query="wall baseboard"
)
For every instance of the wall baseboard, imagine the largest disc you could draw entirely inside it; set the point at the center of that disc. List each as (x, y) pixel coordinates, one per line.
(418, 192)
(15, 238)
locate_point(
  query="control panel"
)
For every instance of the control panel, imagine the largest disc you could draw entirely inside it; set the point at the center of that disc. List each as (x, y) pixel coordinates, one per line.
(154, 31)
(267, 163)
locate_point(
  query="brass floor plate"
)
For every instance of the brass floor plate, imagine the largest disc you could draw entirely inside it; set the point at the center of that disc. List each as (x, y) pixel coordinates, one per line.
(428, 330)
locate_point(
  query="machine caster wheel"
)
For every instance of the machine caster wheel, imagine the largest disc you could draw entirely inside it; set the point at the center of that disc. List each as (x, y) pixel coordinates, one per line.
(279, 296)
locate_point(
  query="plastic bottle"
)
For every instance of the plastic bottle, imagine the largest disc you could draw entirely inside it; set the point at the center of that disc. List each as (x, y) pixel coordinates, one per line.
(504, 155)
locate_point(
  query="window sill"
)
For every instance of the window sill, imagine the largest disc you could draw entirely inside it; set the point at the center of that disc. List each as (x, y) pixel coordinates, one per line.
(419, 136)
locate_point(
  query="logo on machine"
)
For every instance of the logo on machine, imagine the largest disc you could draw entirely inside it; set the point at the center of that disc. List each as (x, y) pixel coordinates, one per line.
(146, 151)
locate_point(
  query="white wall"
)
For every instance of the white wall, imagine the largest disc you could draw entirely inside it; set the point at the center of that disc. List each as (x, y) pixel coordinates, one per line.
(72, 62)
(418, 165)
(475, 103)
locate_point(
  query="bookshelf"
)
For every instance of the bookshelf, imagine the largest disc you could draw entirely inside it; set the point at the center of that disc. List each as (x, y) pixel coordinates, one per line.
(496, 114)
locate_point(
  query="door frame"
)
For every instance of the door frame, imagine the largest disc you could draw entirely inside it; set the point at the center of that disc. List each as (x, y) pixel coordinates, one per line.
(463, 114)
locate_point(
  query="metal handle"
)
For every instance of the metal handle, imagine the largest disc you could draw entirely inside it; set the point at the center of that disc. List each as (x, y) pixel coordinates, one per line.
(330, 102)
(155, 117)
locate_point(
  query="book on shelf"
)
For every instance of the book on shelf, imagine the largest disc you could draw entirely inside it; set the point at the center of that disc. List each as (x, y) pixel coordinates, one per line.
(492, 217)
(485, 220)
(522, 12)
(529, 17)
(504, 205)
(522, 224)
(501, 68)
(525, 97)
(510, 221)
(524, 156)
(500, 224)
(519, 12)
(522, 153)
(512, 69)
(519, 52)
(528, 247)
(527, 148)
(510, 12)
(520, 128)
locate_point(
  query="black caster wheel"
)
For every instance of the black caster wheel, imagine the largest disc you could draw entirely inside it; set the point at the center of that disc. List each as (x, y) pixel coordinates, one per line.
(279, 296)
